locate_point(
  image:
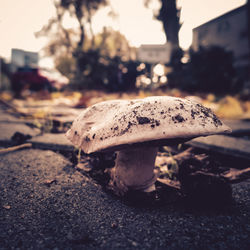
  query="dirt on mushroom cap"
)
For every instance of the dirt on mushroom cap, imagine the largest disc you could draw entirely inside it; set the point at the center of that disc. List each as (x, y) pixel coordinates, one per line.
(114, 124)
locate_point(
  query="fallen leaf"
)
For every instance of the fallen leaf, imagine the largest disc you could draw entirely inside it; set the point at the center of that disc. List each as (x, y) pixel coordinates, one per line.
(83, 166)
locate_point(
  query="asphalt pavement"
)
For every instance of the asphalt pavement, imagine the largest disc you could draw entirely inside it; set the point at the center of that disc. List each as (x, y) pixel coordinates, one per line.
(46, 203)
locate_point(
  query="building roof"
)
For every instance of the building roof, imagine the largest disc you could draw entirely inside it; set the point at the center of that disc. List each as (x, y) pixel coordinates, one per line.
(227, 14)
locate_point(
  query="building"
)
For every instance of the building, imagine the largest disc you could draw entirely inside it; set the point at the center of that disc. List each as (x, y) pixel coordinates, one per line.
(229, 31)
(22, 58)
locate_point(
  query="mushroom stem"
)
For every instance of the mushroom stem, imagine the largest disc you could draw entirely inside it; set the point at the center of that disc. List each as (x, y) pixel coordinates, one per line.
(134, 169)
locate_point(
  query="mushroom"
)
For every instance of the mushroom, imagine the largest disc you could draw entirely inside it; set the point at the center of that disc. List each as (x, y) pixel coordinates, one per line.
(135, 129)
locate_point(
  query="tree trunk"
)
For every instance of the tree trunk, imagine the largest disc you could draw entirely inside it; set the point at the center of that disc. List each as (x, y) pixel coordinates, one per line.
(78, 52)
(82, 36)
(248, 22)
(169, 16)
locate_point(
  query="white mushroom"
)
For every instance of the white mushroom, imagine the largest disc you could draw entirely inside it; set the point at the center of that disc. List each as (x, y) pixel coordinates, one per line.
(135, 129)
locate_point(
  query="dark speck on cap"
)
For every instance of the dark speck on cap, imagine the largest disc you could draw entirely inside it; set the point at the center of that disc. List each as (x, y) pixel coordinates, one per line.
(143, 120)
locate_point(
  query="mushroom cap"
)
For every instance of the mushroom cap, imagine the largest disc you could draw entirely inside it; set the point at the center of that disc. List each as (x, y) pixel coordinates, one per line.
(157, 120)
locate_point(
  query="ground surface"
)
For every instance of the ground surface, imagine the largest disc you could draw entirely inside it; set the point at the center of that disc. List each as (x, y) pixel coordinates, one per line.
(46, 203)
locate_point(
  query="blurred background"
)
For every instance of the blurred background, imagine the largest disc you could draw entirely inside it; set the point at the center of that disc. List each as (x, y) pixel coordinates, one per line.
(103, 49)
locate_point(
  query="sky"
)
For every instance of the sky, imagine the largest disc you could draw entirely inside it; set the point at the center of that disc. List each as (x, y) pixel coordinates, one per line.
(20, 19)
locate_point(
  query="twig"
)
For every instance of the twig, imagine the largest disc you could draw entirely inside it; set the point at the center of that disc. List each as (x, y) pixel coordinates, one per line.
(11, 149)
(235, 175)
(13, 107)
(188, 154)
(232, 175)
(170, 183)
(7, 104)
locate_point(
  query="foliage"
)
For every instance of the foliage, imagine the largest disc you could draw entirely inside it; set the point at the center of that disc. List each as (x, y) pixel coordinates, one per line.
(83, 10)
(209, 70)
(212, 69)
(112, 43)
(65, 64)
(61, 44)
(103, 72)
(102, 61)
(5, 75)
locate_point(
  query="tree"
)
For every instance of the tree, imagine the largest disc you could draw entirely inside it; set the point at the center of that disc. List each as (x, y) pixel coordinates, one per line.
(112, 43)
(210, 70)
(83, 11)
(169, 15)
(108, 62)
(248, 23)
(60, 47)
(66, 42)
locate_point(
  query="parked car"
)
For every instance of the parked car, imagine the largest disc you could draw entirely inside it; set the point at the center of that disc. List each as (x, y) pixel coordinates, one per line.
(36, 79)
(56, 79)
